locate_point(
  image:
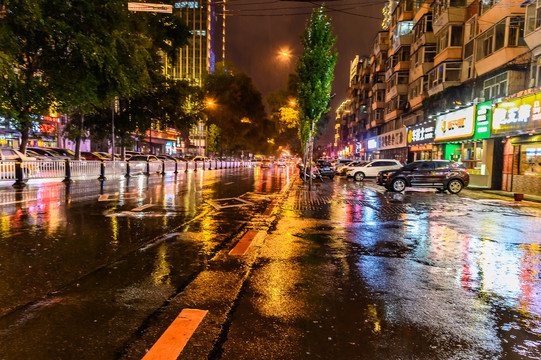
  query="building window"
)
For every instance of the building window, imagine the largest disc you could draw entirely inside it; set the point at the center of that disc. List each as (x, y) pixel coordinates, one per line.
(494, 38)
(495, 86)
(448, 71)
(487, 5)
(450, 37)
(530, 159)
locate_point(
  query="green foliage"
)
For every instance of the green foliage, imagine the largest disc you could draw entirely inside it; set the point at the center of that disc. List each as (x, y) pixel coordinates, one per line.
(316, 71)
(237, 109)
(213, 138)
(285, 115)
(79, 55)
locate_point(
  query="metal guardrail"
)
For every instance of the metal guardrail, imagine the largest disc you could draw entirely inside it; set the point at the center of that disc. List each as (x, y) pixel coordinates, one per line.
(68, 169)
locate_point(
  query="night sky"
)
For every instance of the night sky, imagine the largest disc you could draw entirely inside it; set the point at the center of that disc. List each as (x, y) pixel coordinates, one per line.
(257, 31)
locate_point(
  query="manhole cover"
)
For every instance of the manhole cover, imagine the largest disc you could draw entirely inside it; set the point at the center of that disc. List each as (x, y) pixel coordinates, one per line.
(228, 203)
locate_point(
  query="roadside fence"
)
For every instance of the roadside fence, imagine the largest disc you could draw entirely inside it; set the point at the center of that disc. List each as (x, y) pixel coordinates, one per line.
(23, 171)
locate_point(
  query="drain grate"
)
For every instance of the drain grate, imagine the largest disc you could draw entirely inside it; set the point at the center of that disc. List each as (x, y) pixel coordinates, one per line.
(229, 203)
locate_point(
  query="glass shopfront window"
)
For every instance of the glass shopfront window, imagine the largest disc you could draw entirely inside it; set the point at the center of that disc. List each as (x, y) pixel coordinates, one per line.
(473, 157)
(530, 159)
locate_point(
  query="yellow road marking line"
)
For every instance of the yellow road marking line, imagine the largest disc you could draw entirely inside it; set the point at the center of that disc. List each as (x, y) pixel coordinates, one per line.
(174, 339)
(244, 243)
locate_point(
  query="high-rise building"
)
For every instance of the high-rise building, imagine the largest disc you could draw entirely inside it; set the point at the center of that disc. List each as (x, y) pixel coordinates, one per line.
(206, 20)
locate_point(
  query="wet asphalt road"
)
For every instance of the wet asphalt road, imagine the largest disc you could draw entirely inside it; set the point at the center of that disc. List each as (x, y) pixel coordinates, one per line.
(347, 271)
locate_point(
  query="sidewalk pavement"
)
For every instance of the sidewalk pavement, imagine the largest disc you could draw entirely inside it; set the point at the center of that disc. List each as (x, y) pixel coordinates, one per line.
(510, 194)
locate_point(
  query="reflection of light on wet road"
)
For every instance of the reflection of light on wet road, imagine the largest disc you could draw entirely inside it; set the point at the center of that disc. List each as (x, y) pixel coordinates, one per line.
(162, 267)
(114, 233)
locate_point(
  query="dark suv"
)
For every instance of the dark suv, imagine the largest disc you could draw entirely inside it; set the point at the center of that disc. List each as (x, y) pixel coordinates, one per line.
(440, 174)
(325, 169)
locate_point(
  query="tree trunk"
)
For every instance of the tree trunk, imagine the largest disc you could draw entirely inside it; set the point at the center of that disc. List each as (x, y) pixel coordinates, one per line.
(79, 137)
(123, 153)
(25, 134)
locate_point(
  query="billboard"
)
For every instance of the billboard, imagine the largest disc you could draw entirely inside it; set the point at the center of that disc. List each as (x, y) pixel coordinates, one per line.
(518, 114)
(456, 125)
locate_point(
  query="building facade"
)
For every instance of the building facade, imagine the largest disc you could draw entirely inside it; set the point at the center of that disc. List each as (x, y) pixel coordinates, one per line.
(457, 80)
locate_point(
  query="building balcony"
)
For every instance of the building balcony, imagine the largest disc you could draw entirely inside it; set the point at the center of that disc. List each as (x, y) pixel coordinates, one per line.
(498, 58)
(417, 102)
(375, 123)
(392, 115)
(533, 39)
(378, 105)
(401, 65)
(448, 54)
(494, 11)
(420, 70)
(378, 86)
(381, 42)
(440, 87)
(448, 15)
(400, 89)
(401, 40)
(427, 38)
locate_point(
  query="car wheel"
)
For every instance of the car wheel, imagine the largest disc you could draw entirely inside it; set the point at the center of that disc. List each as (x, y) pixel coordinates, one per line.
(359, 176)
(398, 185)
(455, 186)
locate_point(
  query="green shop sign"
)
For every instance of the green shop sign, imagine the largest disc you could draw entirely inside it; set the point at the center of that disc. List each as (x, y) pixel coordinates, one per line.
(483, 120)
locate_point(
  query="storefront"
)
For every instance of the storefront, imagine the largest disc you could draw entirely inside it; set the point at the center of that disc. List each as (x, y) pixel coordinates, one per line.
(517, 125)
(421, 142)
(391, 145)
(465, 134)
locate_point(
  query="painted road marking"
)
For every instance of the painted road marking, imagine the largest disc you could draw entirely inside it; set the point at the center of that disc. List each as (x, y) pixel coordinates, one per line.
(244, 243)
(141, 208)
(172, 342)
(270, 207)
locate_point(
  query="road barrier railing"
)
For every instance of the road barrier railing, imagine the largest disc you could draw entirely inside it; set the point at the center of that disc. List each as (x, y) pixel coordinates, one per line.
(22, 171)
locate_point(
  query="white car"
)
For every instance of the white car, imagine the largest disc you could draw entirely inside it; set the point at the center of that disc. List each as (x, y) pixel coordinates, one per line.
(372, 168)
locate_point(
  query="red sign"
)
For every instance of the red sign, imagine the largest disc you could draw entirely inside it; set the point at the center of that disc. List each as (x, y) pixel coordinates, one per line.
(421, 147)
(50, 118)
(47, 128)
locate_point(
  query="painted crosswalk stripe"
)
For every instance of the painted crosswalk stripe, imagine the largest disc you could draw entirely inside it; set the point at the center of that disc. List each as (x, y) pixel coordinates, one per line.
(174, 339)
(244, 243)
(141, 208)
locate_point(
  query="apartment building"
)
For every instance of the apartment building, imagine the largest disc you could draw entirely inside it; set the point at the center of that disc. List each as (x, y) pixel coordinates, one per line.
(457, 80)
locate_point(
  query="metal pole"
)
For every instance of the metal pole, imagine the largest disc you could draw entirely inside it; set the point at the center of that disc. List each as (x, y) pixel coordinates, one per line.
(113, 132)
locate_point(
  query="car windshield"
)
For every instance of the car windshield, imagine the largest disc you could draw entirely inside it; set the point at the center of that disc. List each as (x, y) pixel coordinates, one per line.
(138, 158)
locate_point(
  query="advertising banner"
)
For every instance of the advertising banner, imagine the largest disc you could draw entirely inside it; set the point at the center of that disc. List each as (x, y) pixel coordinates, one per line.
(457, 125)
(421, 134)
(392, 139)
(518, 114)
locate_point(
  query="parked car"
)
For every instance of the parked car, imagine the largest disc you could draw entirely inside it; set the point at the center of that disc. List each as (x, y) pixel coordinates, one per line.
(166, 157)
(144, 158)
(63, 152)
(343, 169)
(325, 169)
(281, 163)
(92, 156)
(7, 154)
(37, 156)
(265, 164)
(339, 162)
(201, 158)
(48, 153)
(440, 174)
(372, 168)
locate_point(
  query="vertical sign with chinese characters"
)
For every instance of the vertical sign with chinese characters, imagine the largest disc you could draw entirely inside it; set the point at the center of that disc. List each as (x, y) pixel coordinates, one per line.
(483, 117)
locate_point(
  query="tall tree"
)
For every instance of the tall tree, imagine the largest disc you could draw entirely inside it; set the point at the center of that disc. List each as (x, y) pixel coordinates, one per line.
(284, 113)
(78, 56)
(237, 109)
(316, 73)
